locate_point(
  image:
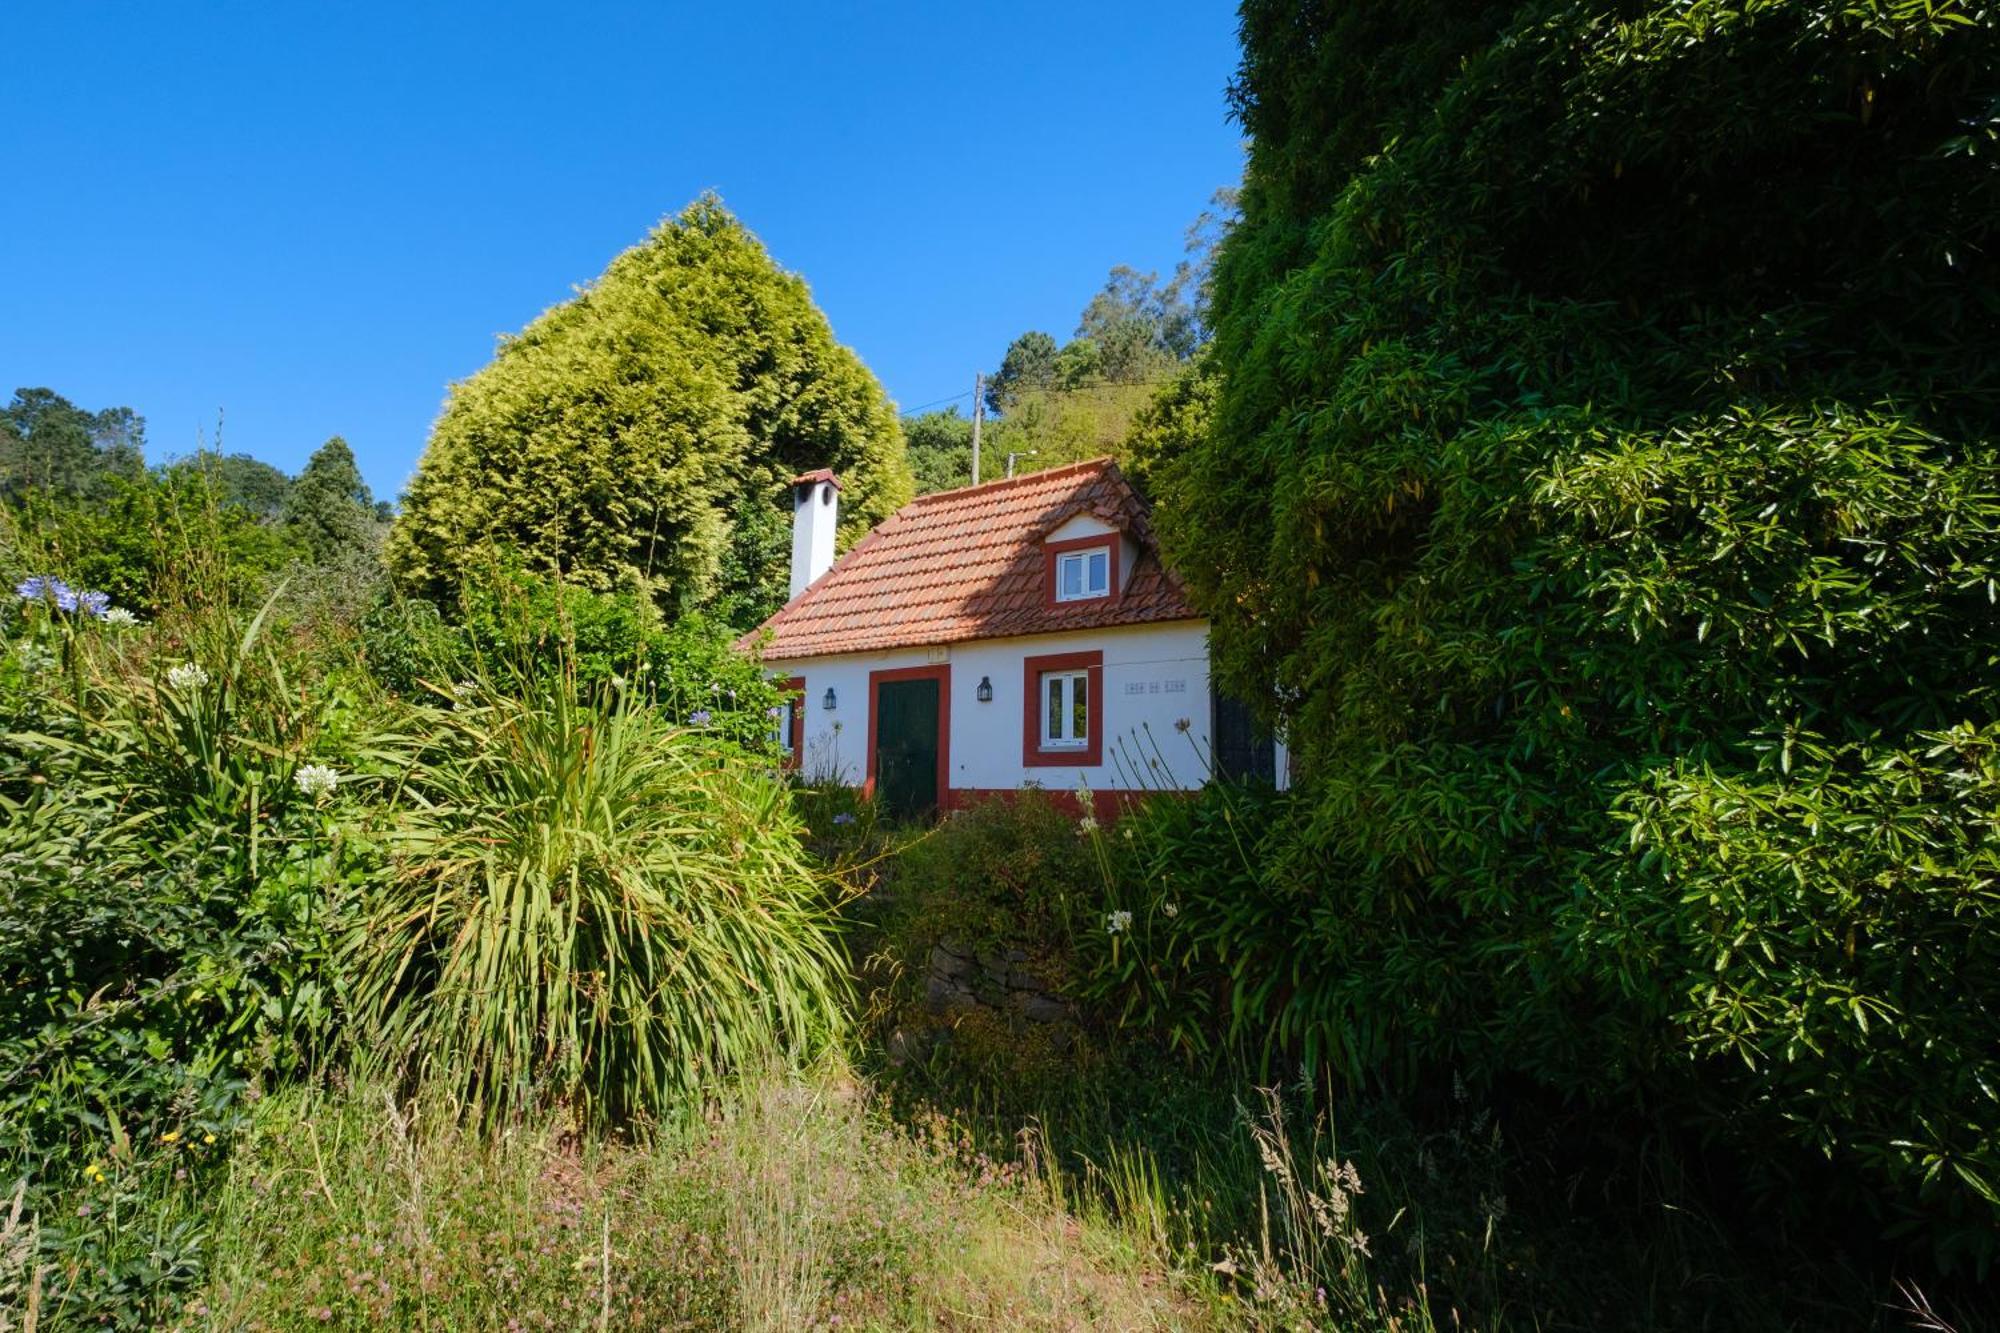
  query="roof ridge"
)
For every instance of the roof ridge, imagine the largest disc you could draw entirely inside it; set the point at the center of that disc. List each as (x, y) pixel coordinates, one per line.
(973, 570)
(1098, 462)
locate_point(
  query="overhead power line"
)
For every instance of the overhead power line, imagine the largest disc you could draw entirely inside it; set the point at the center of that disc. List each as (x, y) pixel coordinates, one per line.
(1051, 389)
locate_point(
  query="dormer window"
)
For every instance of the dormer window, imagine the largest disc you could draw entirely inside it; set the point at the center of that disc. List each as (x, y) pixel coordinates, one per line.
(1082, 570)
(1082, 575)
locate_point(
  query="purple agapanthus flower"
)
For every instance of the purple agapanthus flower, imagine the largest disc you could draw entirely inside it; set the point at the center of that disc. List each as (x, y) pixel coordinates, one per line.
(843, 818)
(42, 588)
(700, 717)
(52, 591)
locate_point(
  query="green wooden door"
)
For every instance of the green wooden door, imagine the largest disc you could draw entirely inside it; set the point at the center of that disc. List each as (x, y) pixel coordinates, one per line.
(906, 747)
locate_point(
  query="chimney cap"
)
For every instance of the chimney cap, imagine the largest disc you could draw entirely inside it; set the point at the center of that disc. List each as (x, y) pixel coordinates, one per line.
(817, 475)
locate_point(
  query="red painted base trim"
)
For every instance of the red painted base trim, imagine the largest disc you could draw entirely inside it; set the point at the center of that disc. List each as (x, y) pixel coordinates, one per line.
(1108, 804)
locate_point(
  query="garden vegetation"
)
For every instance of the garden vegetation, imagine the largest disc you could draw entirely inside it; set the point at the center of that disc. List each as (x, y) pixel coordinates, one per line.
(1602, 493)
(1584, 447)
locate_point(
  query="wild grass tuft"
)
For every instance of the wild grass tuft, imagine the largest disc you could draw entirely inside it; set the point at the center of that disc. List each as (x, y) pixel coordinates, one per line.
(592, 904)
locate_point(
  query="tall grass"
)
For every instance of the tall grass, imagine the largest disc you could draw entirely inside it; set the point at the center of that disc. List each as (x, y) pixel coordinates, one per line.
(594, 905)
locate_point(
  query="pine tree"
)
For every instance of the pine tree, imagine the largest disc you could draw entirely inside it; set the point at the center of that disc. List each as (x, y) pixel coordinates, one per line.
(328, 508)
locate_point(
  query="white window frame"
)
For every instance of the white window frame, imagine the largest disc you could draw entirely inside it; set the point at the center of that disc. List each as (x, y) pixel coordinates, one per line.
(1059, 709)
(1080, 560)
(786, 717)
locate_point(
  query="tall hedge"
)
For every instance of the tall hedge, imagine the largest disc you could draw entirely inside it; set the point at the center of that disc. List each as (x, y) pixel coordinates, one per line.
(640, 434)
(1603, 490)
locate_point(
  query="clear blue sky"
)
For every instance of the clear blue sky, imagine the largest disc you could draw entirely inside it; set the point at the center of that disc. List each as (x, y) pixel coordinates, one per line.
(316, 216)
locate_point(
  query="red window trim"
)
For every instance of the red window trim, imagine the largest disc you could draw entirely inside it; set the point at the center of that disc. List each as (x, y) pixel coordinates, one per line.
(1112, 541)
(1092, 752)
(794, 688)
(941, 674)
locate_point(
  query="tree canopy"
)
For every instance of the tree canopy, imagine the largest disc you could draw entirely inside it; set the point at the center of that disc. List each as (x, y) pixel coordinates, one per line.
(1603, 492)
(329, 508)
(49, 444)
(641, 434)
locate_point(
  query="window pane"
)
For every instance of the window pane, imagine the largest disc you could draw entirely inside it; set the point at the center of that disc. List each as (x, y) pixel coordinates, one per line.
(1100, 576)
(1079, 705)
(1054, 711)
(1070, 569)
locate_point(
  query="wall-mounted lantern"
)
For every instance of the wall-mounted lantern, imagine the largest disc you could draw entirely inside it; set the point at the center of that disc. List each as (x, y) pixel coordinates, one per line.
(827, 700)
(985, 691)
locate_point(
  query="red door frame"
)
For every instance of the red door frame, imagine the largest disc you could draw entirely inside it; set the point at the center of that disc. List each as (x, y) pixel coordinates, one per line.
(794, 688)
(942, 675)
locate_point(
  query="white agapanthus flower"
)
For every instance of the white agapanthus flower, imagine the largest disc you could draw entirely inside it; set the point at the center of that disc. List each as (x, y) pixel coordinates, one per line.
(1117, 923)
(1171, 909)
(316, 780)
(1086, 826)
(120, 618)
(187, 676)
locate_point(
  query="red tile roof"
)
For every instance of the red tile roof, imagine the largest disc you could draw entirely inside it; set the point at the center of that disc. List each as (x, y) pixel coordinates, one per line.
(968, 564)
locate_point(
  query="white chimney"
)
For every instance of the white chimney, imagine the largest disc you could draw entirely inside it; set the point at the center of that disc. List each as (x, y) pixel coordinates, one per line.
(815, 510)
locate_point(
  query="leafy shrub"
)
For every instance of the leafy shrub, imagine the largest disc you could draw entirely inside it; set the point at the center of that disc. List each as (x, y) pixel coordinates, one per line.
(1003, 870)
(593, 904)
(142, 535)
(520, 630)
(1603, 489)
(408, 647)
(169, 890)
(1192, 940)
(998, 885)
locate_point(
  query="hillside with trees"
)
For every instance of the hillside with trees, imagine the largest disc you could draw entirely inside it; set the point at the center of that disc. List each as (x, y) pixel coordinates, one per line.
(76, 492)
(1137, 340)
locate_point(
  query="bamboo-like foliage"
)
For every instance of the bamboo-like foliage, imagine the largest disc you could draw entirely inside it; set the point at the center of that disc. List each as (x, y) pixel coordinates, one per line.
(595, 906)
(1603, 492)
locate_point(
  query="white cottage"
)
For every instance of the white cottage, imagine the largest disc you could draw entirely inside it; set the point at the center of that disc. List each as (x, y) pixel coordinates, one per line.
(1018, 632)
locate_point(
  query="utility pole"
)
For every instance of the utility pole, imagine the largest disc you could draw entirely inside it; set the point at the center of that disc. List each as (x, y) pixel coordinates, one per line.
(978, 415)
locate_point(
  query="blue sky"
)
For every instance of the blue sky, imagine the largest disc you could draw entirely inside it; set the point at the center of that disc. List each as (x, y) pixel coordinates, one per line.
(313, 217)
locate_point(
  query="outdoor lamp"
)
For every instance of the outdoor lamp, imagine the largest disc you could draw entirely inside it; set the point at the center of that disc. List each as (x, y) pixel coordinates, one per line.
(985, 691)
(827, 701)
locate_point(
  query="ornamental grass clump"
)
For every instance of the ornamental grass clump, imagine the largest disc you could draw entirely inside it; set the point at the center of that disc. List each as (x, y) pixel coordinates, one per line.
(593, 906)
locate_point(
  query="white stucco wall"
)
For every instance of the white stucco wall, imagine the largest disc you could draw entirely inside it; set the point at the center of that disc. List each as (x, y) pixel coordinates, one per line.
(1154, 676)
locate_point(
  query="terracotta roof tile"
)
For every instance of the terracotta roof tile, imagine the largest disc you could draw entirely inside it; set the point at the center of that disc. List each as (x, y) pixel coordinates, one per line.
(968, 564)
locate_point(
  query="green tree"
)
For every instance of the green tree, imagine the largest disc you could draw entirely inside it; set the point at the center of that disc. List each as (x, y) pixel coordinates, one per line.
(621, 438)
(1030, 363)
(238, 479)
(329, 508)
(1140, 327)
(1603, 490)
(1172, 423)
(50, 444)
(940, 448)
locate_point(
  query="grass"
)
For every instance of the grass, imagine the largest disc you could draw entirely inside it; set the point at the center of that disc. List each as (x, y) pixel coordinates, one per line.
(795, 1204)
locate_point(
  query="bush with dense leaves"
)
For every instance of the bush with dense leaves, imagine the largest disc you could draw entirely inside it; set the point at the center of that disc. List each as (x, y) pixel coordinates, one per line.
(175, 864)
(640, 435)
(1603, 489)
